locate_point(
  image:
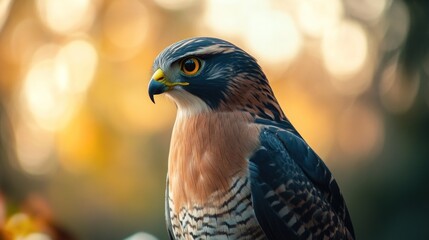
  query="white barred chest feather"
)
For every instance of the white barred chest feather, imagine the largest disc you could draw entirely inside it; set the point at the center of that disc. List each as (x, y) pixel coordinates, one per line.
(226, 215)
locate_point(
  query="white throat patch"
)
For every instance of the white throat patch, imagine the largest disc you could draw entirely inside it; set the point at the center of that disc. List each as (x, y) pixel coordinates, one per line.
(187, 104)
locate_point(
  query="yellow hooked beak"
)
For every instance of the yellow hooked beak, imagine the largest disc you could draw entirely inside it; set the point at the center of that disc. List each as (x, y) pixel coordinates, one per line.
(160, 84)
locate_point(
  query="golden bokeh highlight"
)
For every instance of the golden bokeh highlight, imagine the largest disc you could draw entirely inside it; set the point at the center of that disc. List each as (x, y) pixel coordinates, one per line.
(80, 59)
(315, 16)
(44, 94)
(19, 226)
(265, 27)
(56, 82)
(85, 134)
(227, 17)
(66, 16)
(345, 49)
(34, 148)
(125, 26)
(80, 144)
(25, 40)
(4, 11)
(273, 37)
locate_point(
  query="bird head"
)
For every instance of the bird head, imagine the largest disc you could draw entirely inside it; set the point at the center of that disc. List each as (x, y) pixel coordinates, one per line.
(210, 74)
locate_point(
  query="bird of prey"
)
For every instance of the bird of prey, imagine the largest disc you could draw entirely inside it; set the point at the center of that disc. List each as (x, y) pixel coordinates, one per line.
(237, 168)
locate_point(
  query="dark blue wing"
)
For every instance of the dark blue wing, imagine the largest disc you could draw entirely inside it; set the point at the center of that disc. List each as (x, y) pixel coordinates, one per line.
(294, 194)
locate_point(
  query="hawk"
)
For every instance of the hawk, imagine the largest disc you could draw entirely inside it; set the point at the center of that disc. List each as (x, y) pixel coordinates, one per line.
(237, 168)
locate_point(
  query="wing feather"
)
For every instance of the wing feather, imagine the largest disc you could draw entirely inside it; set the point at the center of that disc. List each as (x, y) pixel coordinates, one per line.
(293, 192)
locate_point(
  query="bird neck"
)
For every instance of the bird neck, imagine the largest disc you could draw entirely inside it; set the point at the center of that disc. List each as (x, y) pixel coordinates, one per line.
(251, 93)
(207, 151)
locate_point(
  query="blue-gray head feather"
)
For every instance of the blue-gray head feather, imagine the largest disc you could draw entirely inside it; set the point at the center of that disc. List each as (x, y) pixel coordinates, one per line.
(229, 79)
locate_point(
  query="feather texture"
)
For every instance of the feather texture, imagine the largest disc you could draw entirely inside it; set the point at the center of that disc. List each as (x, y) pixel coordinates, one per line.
(201, 162)
(294, 193)
(237, 167)
(209, 191)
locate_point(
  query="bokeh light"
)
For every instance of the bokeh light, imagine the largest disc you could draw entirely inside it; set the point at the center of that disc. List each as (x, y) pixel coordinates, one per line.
(25, 40)
(19, 226)
(79, 144)
(229, 18)
(267, 29)
(44, 93)
(77, 126)
(273, 37)
(397, 26)
(34, 148)
(4, 11)
(398, 91)
(141, 236)
(315, 16)
(175, 5)
(345, 48)
(37, 236)
(125, 25)
(56, 80)
(67, 16)
(367, 10)
(80, 58)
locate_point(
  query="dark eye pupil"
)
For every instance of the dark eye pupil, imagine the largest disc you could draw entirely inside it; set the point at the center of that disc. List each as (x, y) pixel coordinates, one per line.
(189, 65)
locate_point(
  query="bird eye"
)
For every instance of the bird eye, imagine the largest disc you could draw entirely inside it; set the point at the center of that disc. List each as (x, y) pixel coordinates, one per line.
(190, 66)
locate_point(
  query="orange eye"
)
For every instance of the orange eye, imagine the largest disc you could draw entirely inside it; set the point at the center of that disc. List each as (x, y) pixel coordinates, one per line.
(190, 66)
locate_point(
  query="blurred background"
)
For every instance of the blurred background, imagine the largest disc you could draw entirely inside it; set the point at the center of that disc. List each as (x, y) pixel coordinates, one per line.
(83, 151)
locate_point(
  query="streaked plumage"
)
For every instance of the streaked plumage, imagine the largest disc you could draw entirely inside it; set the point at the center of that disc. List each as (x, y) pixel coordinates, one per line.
(237, 167)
